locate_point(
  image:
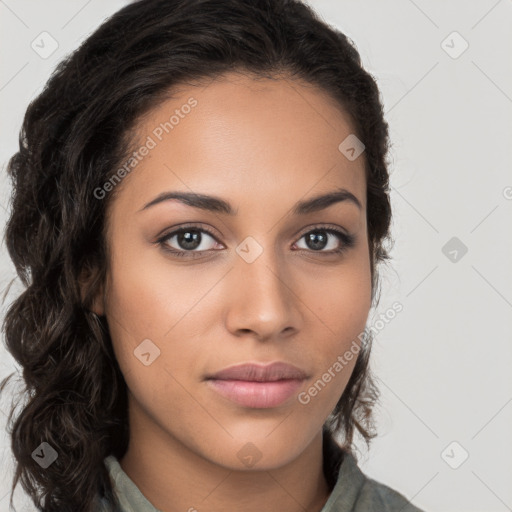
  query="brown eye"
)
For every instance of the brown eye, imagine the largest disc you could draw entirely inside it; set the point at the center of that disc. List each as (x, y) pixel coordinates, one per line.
(188, 240)
(327, 240)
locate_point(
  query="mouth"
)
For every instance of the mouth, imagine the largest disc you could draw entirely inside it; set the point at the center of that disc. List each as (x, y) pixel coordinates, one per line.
(260, 395)
(258, 386)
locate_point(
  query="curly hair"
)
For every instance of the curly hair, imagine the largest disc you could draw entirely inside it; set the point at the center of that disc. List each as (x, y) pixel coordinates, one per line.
(73, 136)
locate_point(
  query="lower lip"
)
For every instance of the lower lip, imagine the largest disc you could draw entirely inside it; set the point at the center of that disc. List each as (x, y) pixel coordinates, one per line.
(260, 395)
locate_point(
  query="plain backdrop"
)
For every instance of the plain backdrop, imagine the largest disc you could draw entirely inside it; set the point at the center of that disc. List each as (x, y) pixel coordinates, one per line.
(445, 74)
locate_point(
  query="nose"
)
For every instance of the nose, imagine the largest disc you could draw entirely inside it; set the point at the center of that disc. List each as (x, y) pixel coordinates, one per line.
(262, 299)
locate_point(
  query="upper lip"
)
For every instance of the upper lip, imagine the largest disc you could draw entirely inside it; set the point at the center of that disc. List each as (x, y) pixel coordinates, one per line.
(260, 373)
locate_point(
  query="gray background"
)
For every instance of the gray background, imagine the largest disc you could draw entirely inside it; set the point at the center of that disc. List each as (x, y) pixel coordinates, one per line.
(444, 361)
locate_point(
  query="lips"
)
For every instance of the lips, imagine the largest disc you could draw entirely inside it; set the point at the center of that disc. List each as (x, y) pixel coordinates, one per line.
(260, 373)
(258, 386)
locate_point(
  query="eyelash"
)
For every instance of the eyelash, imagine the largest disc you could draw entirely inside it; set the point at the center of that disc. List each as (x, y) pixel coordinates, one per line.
(348, 241)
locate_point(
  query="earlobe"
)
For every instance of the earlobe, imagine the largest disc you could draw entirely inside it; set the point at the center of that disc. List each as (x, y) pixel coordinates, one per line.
(98, 303)
(92, 291)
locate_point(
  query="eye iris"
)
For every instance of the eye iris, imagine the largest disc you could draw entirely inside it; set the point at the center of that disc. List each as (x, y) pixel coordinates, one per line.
(189, 239)
(316, 241)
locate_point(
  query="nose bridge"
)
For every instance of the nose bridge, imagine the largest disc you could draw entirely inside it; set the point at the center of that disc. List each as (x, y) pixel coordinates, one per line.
(260, 268)
(263, 301)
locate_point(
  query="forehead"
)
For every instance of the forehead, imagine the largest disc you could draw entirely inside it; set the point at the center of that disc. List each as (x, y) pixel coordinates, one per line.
(247, 139)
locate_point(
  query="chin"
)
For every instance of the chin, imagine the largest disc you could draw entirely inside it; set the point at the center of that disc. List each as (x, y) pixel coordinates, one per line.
(261, 452)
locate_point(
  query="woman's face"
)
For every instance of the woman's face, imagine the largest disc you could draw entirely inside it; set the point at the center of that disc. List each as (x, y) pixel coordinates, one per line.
(258, 285)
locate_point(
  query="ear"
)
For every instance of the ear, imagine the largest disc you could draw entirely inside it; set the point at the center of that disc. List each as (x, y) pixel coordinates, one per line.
(98, 302)
(92, 291)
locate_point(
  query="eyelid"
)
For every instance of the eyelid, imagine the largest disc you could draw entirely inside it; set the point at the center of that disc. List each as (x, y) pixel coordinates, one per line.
(199, 227)
(324, 226)
(210, 231)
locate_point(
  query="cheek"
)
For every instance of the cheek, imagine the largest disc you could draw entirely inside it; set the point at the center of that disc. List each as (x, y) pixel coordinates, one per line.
(341, 300)
(341, 307)
(345, 312)
(150, 305)
(147, 295)
(153, 307)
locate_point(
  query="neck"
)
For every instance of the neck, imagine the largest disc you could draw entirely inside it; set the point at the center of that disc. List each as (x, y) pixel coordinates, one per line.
(175, 478)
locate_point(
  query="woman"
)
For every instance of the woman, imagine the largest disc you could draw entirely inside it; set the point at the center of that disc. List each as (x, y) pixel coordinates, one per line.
(200, 205)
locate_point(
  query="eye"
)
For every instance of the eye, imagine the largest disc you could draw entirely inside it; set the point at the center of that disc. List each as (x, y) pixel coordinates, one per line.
(331, 239)
(187, 240)
(193, 241)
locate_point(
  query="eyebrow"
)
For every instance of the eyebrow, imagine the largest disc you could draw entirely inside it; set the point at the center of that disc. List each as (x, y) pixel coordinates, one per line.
(218, 205)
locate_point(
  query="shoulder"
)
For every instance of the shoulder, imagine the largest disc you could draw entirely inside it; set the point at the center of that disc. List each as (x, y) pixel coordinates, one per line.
(104, 506)
(113, 469)
(379, 497)
(355, 492)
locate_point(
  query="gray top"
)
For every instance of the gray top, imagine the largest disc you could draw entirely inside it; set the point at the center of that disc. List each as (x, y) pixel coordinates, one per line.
(353, 491)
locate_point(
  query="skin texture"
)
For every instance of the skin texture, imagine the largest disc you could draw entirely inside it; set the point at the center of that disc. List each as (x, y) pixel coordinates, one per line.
(262, 146)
